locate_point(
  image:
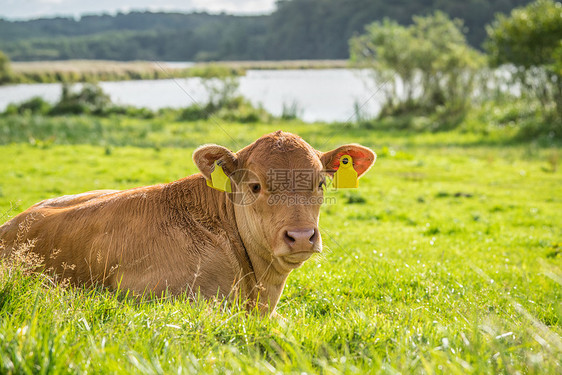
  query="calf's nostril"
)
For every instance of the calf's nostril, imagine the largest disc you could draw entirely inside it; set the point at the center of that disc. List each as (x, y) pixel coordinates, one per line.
(288, 239)
(314, 236)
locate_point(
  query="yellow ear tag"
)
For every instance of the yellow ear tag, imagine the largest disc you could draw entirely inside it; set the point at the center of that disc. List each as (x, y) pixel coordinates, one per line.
(346, 177)
(219, 179)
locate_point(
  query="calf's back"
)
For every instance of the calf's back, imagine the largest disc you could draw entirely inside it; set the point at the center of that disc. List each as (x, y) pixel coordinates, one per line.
(148, 239)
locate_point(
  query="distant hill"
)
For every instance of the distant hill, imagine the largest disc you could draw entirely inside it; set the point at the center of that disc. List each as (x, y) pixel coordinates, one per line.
(298, 29)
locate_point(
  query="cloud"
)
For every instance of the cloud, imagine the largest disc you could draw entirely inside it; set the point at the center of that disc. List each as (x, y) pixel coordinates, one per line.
(48, 8)
(50, 1)
(235, 6)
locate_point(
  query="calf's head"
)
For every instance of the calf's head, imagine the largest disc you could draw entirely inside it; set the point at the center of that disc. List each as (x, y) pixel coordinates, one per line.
(277, 189)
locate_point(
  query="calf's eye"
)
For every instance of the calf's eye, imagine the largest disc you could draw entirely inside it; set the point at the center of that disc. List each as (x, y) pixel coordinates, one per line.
(256, 188)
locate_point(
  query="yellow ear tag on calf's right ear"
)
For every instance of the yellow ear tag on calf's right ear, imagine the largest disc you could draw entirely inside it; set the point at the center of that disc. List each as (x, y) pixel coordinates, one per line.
(219, 179)
(346, 177)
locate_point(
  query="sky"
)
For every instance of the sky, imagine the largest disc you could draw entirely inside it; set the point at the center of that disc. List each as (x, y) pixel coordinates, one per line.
(26, 9)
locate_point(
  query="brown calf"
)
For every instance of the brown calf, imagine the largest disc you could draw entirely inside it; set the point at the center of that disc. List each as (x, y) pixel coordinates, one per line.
(187, 236)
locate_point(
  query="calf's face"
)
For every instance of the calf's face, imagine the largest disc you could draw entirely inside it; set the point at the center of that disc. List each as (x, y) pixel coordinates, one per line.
(278, 187)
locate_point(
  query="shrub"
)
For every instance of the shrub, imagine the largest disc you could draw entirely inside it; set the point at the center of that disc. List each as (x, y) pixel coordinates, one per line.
(225, 103)
(291, 111)
(129, 111)
(241, 110)
(89, 100)
(421, 67)
(221, 92)
(35, 105)
(530, 39)
(193, 113)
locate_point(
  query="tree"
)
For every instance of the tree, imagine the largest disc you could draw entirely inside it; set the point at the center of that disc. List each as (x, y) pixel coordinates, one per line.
(531, 40)
(431, 59)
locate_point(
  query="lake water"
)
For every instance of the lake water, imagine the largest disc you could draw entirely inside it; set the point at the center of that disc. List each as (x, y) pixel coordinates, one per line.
(321, 95)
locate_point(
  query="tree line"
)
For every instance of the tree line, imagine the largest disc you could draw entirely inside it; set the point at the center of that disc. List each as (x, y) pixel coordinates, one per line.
(297, 29)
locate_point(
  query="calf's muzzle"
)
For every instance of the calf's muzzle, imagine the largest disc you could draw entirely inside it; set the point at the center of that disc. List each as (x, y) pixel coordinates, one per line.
(301, 239)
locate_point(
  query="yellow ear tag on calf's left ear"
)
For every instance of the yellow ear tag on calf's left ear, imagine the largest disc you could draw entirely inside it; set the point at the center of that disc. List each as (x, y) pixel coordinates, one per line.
(346, 177)
(219, 179)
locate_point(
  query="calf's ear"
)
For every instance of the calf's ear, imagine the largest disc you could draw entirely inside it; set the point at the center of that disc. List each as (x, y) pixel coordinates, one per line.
(363, 158)
(206, 156)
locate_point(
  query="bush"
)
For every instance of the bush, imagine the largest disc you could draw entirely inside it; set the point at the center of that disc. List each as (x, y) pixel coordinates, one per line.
(193, 113)
(241, 110)
(225, 103)
(221, 92)
(530, 39)
(89, 100)
(128, 111)
(419, 68)
(291, 110)
(35, 105)
(236, 109)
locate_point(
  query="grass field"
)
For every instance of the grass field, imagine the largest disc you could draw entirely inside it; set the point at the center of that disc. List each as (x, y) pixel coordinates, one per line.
(447, 259)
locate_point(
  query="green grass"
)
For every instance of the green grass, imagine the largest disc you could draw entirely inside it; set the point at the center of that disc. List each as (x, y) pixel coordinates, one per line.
(448, 259)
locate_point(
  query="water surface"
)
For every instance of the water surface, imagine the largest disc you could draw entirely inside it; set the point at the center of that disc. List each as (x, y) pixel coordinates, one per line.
(320, 95)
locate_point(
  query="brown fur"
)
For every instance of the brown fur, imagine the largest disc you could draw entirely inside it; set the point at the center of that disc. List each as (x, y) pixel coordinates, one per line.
(186, 236)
